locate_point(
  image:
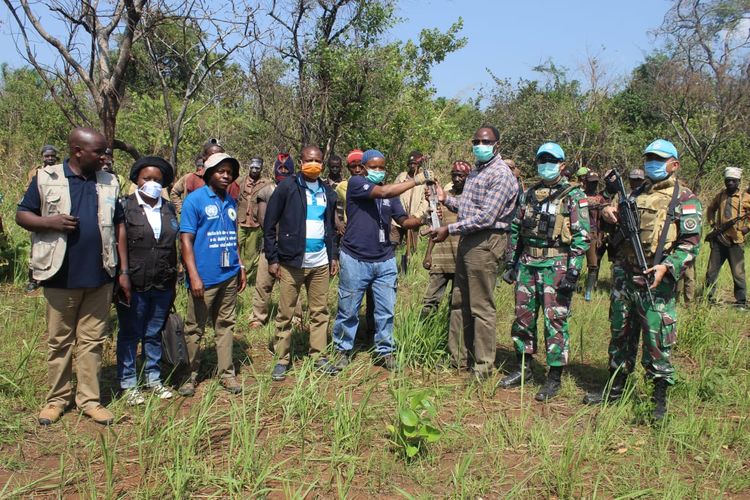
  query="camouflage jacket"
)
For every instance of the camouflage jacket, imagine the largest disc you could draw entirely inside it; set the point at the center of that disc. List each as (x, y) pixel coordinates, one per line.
(570, 237)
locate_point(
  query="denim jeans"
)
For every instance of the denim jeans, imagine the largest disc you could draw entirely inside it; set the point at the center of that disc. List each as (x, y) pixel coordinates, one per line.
(141, 322)
(354, 278)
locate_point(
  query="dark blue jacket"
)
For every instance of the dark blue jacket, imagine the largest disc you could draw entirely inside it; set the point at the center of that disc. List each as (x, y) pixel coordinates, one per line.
(286, 219)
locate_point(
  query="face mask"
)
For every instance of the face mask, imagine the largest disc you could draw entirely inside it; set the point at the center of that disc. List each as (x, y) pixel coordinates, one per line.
(152, 189)
(548, 171)
(656, 170)
(375, 176)
(311, 169)
(482, 152)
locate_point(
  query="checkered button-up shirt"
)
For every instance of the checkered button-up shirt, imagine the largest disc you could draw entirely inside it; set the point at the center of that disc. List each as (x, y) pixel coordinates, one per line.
(488, 200)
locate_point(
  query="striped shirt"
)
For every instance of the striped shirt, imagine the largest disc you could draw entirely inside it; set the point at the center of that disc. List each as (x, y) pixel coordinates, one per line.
(315, 246)
(488, 199)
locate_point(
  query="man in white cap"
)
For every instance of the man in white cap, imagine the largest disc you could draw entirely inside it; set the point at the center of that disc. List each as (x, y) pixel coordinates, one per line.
(728, 215)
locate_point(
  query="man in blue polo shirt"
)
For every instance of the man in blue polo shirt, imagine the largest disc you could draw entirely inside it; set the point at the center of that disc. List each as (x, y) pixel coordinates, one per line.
(367, 258)
(75, 219)
(208, 234)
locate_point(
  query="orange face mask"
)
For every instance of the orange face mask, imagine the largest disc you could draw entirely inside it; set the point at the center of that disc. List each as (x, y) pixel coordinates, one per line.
(311, 169)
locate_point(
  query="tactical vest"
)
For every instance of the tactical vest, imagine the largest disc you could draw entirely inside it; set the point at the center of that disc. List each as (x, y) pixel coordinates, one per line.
(652, 209)
(546, 218)
(152, 263)
(48, 247)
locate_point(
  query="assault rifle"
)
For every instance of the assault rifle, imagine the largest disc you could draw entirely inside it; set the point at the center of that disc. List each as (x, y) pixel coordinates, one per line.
(630, 227)
(717, 233)
(434, 217)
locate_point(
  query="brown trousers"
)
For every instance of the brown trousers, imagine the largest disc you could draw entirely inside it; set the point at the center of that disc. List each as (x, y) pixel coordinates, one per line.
(435, 290)
(315, 280)
(473, 319)
(262, 294)
(76, 320)
(735, 254)
(219, 306)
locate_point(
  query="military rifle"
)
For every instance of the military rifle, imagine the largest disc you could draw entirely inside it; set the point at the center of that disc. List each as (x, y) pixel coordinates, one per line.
(630, 227)
(717, 233)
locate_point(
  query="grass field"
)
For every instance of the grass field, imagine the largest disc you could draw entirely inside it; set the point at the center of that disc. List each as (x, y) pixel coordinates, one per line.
(319, 436)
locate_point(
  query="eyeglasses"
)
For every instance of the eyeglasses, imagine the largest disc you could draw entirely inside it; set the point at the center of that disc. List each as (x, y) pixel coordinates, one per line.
(483, 142)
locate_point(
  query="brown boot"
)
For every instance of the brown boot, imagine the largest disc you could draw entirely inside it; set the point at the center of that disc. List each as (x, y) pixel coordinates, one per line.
(100, 415)
(231, 384)
(50, 414)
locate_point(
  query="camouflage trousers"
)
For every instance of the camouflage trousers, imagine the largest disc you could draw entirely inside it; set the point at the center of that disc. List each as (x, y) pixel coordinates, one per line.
(536, 287)
(631, 313)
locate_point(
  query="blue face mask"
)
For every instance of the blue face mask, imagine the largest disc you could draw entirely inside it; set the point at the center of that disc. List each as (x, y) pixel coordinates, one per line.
(548, 171)
(656, 170)
(375, 176)
(482, 152)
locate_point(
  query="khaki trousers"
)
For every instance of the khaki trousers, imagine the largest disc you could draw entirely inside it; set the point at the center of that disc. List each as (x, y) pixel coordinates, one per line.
(76, 320)
(219, 306)
(473, 319)
(251, 246)
(315, 280)
(262, 294)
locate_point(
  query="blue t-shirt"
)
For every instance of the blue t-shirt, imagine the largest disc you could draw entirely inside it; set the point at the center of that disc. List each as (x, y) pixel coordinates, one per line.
(82, 265)
(368, 222)
(213, 222)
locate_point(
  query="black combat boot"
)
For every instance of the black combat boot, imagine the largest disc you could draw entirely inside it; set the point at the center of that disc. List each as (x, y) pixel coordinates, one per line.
(513, 379)
(615, 392)
(660, 399)
(552, 385)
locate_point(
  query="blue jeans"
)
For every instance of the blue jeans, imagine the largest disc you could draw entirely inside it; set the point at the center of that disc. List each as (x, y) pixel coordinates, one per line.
(354, 278)
(141, 322)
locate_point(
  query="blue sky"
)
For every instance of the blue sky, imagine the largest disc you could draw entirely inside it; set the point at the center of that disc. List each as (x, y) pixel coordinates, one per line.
(511, 37)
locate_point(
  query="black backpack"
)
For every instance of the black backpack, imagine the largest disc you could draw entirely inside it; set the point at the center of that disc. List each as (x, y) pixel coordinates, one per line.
(173, 346)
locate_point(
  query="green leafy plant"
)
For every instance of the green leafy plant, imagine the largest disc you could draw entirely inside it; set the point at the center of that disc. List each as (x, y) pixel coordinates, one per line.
(415, 424)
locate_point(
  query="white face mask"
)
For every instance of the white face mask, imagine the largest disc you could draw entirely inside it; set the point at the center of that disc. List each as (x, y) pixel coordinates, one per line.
(152, 189)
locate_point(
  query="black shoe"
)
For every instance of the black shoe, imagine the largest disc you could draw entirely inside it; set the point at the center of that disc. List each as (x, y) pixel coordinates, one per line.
(343, 358)
(514, 378)
(615, 392)
(325, 366)
(31, 287)
(279, 372)
(387, 361)
(660, 399)
(551, 386)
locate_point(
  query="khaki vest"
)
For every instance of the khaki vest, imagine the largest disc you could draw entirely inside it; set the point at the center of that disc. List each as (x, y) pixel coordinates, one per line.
(652, 207)
(48, 247)
(559, 218)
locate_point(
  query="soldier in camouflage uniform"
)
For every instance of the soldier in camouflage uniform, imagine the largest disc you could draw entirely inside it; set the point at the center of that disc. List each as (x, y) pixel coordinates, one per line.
(549, 238)
(670, 229)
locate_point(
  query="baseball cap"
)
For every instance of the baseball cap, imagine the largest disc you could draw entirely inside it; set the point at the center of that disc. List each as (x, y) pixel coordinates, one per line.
(637, 173)
(662, 148)
(551, 148)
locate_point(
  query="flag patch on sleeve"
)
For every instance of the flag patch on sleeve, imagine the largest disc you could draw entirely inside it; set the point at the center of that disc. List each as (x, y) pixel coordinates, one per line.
(689, 209)
(583, 203)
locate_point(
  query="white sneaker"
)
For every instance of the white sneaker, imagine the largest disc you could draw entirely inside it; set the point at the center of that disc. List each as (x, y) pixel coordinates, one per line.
(161, 392)
(134, 397)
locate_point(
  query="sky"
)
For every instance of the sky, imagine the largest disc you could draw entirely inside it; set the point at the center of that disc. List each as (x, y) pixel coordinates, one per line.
(510, 37)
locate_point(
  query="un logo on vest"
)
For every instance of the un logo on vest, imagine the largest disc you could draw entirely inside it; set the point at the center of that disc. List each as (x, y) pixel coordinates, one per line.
(212, 211)
(232, 213)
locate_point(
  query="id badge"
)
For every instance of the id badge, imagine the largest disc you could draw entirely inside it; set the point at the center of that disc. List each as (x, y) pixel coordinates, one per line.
(225, 258)
(381, 235)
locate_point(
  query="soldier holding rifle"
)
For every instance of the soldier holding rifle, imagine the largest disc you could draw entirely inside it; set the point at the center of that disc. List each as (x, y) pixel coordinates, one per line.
(660, 232)
(728, 215)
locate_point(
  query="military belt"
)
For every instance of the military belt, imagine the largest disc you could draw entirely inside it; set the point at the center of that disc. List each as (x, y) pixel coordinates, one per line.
(545, 251)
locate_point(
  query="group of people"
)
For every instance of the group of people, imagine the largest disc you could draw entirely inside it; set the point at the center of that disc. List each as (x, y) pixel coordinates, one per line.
(300, 229)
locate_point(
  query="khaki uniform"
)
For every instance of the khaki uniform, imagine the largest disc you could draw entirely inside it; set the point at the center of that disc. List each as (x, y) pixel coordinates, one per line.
(722, 209)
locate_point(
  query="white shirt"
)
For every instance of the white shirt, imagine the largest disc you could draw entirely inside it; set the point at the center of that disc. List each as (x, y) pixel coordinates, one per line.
(153, 214)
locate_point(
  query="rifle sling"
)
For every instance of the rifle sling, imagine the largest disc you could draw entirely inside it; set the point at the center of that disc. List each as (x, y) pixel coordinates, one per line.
(670, 218)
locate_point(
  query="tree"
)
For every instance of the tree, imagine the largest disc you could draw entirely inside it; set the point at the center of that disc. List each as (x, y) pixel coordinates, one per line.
(702, 88)
(95, 53)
